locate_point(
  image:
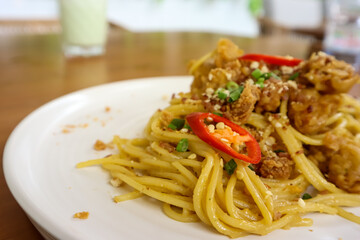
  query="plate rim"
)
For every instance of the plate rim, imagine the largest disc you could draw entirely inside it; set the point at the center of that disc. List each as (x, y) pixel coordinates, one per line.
(40, 218)
(11, 180)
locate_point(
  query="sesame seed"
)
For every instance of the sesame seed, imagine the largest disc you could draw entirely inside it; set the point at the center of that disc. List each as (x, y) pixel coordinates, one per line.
(270, 141)
(264, 69)
(115, 182)
(192, 156)
(278, 125)
(220, 125)
(224, 140)
(287, 70)
(211, 128)
(209, 91)
(301, 202)
(210, 119)
(184, 130)
(254, 65)
(292, 84)
(210, 76)
(217, 107)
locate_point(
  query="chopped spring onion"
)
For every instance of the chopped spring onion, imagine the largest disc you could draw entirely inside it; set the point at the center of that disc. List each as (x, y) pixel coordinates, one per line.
(176, 124)
(232, 86)
(230, 166)
(294, 76)
(256, 73)
(217, 113)
(261, 77)
(306, 196)
(260, 82)
(274, 75)
(251, 167)
(183, 145)
(187, 126)
(278, 151)
(235, 94)
(221, 93)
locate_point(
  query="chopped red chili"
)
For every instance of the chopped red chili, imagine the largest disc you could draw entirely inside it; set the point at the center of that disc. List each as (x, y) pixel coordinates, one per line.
(225, 139)
(277, 60)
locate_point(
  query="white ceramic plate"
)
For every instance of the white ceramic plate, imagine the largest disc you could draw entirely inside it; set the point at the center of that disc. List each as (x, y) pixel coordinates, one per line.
(41, 154)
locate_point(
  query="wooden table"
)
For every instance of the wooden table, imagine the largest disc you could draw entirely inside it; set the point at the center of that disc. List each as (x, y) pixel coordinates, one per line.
(33, 71)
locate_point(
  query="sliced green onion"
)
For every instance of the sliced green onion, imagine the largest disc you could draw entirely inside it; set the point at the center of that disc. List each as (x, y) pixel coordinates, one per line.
(265, 76)
(276, 71)
(256, 73)
(221, 93)
(176, 124)
(183, 145)
(278, 151)
(187, 126)
(306, 196)
(251, 167)
(235, 94)
(217, 113)
(260, 82)
(274, 75)
(294, 76)
(232, 86)
(230, 167)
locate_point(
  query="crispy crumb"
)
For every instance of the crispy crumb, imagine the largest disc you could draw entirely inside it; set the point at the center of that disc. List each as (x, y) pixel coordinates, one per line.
(81, 215)
(99, 145)
(65, 130)
(115, 182)
(165, 97)
(301, 203)
(107, 109)
(83, 125)
(311, 230)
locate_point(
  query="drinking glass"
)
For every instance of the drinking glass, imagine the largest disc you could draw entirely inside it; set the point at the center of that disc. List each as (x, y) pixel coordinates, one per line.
(84, 27)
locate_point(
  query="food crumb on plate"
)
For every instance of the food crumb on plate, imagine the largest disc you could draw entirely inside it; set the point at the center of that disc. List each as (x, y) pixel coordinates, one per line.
(81, 215)
(99, 145)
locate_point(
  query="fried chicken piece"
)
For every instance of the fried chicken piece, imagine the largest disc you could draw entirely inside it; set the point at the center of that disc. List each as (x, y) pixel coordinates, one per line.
(271, 96)
(240, 110)
(221, 67)
(339, 160)
(329, 75)
(279, 167)
(308, 110)
(344, 168)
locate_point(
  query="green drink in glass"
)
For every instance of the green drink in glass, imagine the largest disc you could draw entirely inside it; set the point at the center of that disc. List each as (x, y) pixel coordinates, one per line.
(84, 27)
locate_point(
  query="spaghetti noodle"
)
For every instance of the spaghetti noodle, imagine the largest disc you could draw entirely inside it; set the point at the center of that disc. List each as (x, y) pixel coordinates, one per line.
(256, 198)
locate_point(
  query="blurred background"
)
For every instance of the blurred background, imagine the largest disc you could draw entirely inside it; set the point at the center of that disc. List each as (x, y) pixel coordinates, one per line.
(331, 25)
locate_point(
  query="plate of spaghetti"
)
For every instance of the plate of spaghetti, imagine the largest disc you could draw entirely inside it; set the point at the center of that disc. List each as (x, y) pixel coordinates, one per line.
(249, 145)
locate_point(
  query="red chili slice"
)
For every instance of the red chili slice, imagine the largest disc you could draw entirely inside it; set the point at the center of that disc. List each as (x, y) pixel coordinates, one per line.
(277, 60)
(197, 123)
